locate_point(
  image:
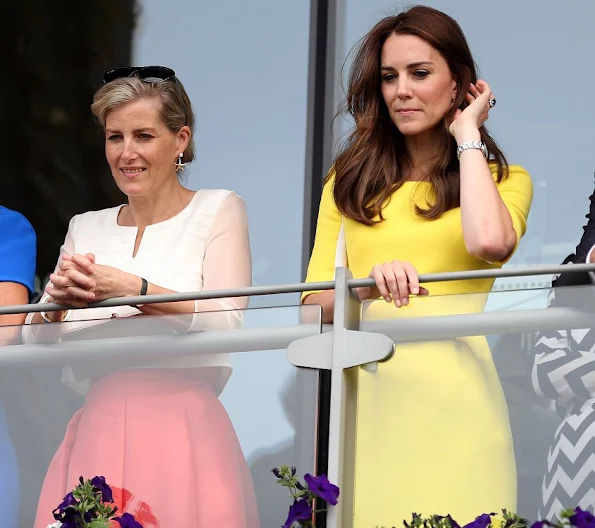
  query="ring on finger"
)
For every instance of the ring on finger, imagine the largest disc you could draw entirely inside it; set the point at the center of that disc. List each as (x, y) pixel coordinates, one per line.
(492, 102)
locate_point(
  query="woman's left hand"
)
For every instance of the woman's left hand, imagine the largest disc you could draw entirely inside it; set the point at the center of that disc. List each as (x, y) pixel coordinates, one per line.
(467, 122)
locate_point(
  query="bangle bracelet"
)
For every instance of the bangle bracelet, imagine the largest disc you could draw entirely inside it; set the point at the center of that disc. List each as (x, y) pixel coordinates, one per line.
(45, 317)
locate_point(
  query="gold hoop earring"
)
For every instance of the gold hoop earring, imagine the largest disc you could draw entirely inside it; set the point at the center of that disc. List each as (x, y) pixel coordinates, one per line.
(179, 165)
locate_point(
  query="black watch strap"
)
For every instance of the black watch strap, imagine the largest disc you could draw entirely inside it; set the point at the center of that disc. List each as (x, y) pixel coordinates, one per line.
(143, 291)
(144, 287)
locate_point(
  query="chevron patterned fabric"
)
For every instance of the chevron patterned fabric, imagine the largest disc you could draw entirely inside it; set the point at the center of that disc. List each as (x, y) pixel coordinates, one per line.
(564, 371)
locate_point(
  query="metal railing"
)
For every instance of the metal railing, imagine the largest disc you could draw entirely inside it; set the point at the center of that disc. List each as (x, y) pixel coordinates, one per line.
(303, 287)
(346, 344)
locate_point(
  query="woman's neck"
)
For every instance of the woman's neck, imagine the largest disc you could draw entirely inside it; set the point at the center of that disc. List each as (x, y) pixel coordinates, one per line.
(156, 207)
(423, 150)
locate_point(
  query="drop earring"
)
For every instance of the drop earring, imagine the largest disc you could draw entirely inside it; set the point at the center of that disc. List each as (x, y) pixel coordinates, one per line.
(179, 165)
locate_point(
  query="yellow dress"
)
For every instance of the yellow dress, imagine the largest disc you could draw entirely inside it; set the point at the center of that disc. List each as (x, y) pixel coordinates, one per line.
(433, 434)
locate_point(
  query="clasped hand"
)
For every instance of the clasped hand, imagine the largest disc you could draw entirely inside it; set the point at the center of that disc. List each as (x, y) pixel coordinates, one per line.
(80, 281)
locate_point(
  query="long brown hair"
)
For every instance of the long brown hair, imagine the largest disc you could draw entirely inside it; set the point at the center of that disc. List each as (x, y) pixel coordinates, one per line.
(373, 161)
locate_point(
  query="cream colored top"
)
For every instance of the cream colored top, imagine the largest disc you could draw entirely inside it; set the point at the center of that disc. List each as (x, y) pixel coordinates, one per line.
(204, 247)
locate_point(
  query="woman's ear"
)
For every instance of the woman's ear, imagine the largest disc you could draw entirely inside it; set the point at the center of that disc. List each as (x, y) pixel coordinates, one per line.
(183, 138)
(455, 91)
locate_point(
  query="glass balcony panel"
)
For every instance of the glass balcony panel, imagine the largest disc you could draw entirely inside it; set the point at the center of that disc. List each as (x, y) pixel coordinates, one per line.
(270, 406)
(486, 404)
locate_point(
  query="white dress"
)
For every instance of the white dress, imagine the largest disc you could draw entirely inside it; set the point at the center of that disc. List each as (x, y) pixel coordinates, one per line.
(204, 247)
(155, 428)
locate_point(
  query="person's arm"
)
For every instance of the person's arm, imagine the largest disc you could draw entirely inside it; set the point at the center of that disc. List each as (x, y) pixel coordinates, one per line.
(488, 229)
(322, 261)
(17, 267)
(487, 225)
(227, 265)
(33, 331)
(583, 253)
(11, 293)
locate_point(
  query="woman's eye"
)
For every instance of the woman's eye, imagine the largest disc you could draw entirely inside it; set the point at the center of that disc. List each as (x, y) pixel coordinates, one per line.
(388, 77)
(145, 137)
(114, 137)
(420, 74)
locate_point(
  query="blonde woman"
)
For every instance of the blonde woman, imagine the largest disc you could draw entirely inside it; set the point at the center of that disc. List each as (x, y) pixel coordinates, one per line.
(155, 430)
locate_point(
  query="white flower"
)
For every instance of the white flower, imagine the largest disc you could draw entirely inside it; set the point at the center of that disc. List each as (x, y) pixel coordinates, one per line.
(57, 524)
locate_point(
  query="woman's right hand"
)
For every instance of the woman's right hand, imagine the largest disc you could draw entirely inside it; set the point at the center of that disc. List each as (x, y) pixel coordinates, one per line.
(71, 285)
(395, 281)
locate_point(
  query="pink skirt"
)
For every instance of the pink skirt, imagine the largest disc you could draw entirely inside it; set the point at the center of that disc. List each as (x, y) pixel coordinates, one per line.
(165, 445)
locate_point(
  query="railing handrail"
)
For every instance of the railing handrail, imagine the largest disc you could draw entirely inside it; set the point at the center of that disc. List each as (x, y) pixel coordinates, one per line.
(302, 287)
(525, 271)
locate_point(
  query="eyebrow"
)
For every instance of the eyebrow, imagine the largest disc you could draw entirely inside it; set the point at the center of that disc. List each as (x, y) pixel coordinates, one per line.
(410, 66)
(146, 129)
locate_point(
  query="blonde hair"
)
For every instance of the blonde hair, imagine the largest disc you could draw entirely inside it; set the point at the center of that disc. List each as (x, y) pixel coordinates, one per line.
(176, 109)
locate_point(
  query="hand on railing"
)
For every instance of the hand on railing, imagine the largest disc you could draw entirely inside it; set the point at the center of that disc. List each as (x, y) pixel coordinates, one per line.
(395, 281)
(69, 286)
(72, 284)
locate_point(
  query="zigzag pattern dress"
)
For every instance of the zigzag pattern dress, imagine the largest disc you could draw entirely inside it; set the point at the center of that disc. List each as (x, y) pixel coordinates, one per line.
(564, 371)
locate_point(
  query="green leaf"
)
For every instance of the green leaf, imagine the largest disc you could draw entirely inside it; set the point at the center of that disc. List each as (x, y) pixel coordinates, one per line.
(98, 524)
(567, 513)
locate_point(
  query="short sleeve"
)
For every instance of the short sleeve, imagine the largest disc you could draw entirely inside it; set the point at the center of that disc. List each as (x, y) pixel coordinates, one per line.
(516, 192)
(322, 261)
(18, 249)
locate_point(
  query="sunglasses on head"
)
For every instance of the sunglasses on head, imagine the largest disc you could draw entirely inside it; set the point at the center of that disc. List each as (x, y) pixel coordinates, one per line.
(146, 73)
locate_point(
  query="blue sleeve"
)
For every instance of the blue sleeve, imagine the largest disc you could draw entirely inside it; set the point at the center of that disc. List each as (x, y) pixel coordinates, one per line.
(18, 249)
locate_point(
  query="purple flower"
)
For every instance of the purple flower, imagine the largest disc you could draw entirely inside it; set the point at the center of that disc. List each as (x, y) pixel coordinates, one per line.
(483, 521)
(300, 510)
(276, 472)
(127, 521)
(101, 486)
(321, 487)
(438, 518)
(69, 500)
(582, 519)
(66, 510)
(542, 524)
(69, 517)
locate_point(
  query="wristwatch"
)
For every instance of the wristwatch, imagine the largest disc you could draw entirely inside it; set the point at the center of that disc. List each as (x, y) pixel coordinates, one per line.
(479, 145)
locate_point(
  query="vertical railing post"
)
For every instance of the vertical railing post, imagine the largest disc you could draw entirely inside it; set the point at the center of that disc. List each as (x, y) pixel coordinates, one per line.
(343, 403)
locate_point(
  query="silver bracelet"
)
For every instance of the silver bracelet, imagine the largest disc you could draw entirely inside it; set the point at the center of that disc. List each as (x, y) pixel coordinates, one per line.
(479, 145)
